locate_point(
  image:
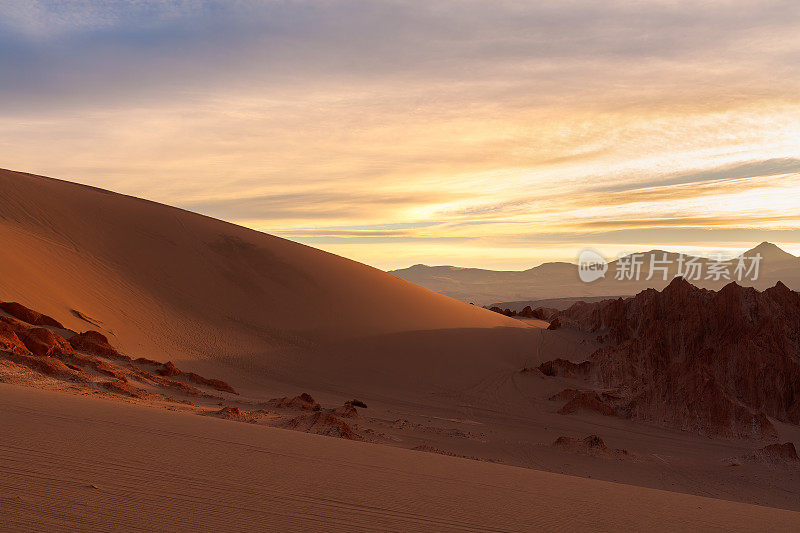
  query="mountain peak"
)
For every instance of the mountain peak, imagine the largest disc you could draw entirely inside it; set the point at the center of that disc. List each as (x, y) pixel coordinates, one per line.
(769, 251)
(679, 282)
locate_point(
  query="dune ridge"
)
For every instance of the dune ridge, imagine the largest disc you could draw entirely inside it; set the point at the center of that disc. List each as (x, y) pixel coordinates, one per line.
(170, 284)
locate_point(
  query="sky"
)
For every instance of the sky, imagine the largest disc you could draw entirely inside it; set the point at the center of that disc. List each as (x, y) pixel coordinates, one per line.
(496, 134)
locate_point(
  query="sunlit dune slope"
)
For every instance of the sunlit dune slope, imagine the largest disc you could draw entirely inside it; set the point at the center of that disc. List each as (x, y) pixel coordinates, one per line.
(167, 283)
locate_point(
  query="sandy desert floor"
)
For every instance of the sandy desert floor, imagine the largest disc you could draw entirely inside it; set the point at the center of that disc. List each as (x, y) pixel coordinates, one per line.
(71, 460)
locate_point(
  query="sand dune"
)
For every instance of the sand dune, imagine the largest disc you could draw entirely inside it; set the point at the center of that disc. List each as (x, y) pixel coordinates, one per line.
(169, 284)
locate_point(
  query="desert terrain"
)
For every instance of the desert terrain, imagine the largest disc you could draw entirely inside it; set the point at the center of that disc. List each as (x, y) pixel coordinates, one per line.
(166, 370)
(95, 464)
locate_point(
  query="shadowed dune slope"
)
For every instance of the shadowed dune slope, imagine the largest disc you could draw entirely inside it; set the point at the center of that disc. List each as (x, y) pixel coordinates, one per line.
(167, 283)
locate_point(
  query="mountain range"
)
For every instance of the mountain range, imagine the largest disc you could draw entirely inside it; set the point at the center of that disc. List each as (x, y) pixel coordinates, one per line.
(560, 281)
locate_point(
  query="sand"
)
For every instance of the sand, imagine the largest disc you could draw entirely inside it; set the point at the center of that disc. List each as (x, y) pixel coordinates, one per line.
(274, 318)
(169, 284)
(86, 461)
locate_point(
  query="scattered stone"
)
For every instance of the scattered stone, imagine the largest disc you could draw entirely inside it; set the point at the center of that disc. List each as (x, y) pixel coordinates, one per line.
(30, 316)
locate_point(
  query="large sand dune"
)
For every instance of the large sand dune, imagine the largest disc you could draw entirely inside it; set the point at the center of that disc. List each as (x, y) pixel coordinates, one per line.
(169, 284)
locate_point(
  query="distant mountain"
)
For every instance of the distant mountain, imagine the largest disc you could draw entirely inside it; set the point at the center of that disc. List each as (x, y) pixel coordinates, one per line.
(560, 280)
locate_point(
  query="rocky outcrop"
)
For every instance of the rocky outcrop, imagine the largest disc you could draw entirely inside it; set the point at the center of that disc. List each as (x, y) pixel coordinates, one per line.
(29, 315)
(10, 342)
(346, 411)
(123, 388)
(32, 349)
(86, 357)
(591, 445)
(590, 442)
(564, 368)
(216, 384)
(95, 343)
(587, 400)
(41, 341)
(540, 313)
(322, 424)
(304, 401)
(781, 455)
(169, 369)
(532, 370)
(234, 413)
(48, 366)
(506, 312)
(716, 363)
(554, 324)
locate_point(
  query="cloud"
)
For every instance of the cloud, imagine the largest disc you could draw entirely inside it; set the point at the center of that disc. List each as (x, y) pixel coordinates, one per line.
(346, 233)
(432, 125)
(707, 223)
(83, 51)
(750, 169)
(310, 205)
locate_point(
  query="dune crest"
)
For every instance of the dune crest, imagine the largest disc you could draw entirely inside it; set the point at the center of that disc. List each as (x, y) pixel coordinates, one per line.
(168, 284)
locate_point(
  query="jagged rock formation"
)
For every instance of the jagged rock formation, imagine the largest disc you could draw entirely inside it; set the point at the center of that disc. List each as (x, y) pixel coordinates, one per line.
(95, 343)
(322, 423)
(587, 400)
(304, 413)
(346, 411)
(234, 413)
(540, 313)
(30, 316)
(785, 452)
(506, 312)
(40, 350)
(562, 367)
(304, 401)
(717, 363)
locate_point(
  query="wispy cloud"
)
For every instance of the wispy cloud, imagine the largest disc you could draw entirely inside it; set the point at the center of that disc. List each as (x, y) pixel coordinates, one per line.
(316, 204)
(750, 169)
